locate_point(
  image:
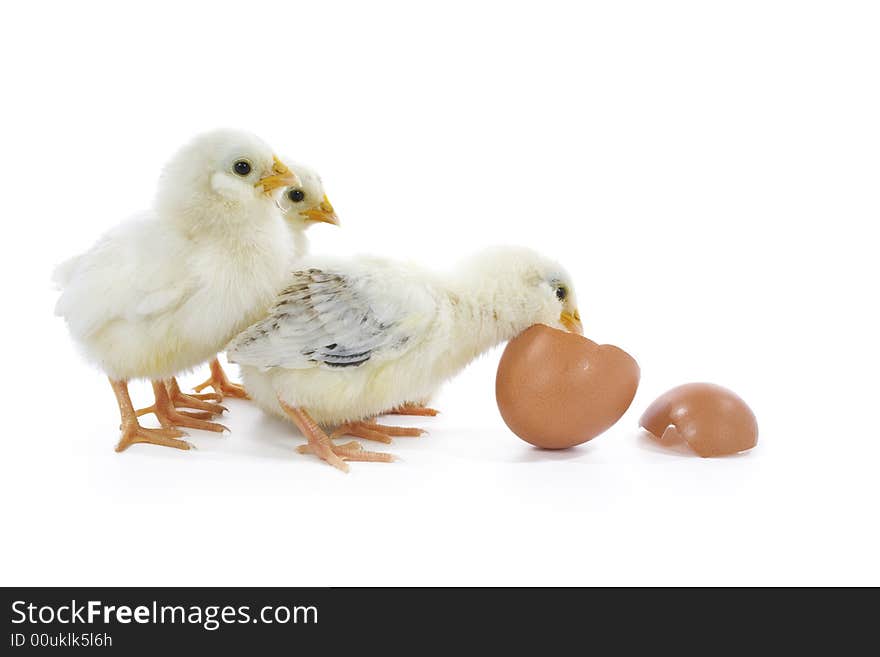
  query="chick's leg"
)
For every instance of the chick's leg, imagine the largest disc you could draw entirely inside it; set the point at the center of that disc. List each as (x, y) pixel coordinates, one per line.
(321, 446)
(221, 383)
(371, 431)
(413, 408)
(169, 417)
(182, 400)
(133, 432)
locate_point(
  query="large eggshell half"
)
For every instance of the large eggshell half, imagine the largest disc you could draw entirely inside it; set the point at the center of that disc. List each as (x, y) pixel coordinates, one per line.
(557, 389)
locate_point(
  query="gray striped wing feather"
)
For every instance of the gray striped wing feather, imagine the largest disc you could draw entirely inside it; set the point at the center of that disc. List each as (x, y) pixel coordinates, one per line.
(324, 319)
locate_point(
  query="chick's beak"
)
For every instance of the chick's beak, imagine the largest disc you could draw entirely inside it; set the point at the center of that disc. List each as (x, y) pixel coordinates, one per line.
(281, 176)
(572, 322)
(324, 212)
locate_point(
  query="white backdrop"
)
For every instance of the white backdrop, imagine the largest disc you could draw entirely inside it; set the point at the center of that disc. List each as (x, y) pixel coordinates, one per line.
(707, 171)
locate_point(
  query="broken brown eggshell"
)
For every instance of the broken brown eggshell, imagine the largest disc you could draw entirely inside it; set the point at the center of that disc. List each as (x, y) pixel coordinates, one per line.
(713, 420)
(557, 389)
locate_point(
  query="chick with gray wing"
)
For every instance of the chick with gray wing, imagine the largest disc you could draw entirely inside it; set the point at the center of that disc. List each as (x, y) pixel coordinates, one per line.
(349, 339)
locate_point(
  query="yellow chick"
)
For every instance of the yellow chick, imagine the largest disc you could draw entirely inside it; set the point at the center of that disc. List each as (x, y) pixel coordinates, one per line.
(164, 292)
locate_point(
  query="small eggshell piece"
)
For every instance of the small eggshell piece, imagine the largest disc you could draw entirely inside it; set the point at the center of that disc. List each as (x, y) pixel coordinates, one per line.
(557, 389)
(713, 420)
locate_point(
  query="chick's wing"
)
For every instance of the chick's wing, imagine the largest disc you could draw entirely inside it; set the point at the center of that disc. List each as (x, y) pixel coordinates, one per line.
(334, 319)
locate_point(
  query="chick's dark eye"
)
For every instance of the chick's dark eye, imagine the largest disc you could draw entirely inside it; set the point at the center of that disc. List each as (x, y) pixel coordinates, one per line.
(242, 167)
(296, 195)
(561, 293)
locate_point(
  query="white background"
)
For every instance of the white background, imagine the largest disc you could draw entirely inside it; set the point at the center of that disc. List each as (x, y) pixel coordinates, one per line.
(707, 171)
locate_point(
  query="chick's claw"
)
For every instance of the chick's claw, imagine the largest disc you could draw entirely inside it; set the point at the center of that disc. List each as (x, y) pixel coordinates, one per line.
(207, 396)
(179, 399)
(134, 433)
(224, 389)
(174, 418)
(221, 384)
(350, 451)
(321, 446)
(379, 432)
(360, 430)
(414, 409)
(170, 417)
(198, 415)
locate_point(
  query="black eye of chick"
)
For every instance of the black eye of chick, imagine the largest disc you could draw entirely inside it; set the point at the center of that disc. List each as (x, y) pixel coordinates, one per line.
(242, 167)
(561, 293)
(296, 195)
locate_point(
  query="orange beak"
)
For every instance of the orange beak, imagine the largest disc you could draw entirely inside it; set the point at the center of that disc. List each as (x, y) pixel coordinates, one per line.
(324, 213)
(281, 176)
(572, 322)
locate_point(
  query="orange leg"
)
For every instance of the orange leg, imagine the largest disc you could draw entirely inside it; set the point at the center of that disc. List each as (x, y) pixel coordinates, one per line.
(168, 415)
(133, 432)
(221, 383)
(321, 446)
(413, 408)
(182, 400)
(371, 431)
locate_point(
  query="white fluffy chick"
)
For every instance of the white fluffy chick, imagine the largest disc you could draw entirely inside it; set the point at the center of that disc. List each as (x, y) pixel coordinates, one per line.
(166, 291)
(348, 340)
(303, 206)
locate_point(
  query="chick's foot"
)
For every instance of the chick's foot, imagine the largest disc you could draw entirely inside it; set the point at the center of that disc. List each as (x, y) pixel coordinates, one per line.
(412, 408)
(180, 400)
(170, 417)
(371, 431)
(350, 451)
(321, 446)
(221, 383)
(133, 432)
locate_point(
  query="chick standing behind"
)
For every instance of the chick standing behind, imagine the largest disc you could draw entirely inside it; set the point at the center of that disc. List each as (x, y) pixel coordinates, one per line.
(303, 206)
(164, 292)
